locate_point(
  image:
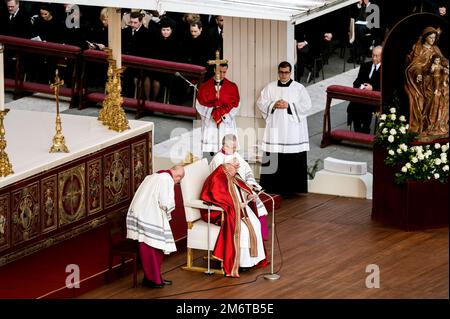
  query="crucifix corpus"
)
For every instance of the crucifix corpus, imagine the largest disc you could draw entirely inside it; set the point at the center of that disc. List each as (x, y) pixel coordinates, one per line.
(59, 143)
(217, 62)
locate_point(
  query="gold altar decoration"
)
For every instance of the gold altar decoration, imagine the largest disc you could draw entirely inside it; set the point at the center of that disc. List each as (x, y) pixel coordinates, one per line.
(112, 113)
(5, 165)
(59, 142)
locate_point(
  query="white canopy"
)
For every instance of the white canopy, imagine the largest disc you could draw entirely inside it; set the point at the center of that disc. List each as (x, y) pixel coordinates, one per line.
(295, 11)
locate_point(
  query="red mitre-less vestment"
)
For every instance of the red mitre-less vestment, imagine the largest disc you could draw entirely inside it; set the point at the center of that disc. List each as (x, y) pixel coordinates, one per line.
(228, 97)
(219, 190)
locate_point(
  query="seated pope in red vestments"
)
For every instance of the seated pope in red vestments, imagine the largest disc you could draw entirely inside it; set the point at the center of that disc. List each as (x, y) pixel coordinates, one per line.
(240, 242)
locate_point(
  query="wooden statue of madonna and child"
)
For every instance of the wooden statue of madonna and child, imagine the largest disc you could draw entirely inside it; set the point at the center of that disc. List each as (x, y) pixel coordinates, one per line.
(414, 80)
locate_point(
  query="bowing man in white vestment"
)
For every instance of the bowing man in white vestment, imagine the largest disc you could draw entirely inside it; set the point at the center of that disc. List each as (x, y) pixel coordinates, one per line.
(148, 222)
(284, 105)
(228, 154)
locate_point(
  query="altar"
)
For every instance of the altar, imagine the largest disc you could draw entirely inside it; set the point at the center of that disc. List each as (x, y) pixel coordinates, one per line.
(54, 197)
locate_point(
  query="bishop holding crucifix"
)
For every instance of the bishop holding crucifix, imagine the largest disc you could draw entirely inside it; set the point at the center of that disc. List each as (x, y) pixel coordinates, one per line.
(217, 103)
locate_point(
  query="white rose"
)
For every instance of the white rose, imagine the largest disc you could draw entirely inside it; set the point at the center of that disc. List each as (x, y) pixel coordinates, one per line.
(437, 161)
(392, 110)
(391, 152)
(393, 131)
(437, 146)
(436, 175)
(393, 117)
(381, 124)
(407, 126)
(402, 130)
(444, 160)
(444, 148)
(404, 169)
(404, 147)
(384, 131)
(414, 159)
(391, 138)
(399, 151)
(429, 153)
(402, 118)
(445, 168)
(383, 117)
(408, 165)
(420, 156)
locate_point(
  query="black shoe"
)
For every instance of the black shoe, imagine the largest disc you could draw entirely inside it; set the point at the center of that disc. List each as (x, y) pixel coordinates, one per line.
(150, 284)
(167, 282)
(244, 269)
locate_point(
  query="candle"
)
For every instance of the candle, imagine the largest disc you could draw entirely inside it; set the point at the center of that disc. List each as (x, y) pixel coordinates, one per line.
(2, 80)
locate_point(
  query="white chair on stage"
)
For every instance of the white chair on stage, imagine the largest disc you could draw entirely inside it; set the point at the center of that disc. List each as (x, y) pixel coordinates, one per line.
(197, 233)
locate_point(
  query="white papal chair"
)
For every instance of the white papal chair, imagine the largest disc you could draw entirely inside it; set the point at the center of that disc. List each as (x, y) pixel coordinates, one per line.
(197, 233)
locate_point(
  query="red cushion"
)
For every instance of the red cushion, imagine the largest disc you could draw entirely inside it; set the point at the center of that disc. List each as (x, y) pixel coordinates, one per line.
(39, 44)
(353, 91)
(149, 105)
(45, 88)
(352, 136)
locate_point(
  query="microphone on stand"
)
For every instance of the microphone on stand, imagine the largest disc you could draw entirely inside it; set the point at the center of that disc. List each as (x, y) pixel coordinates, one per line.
(178, 74)
(272, 275)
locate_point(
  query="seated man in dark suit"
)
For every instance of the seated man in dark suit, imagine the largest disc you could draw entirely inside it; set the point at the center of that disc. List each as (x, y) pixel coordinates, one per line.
(368, 79)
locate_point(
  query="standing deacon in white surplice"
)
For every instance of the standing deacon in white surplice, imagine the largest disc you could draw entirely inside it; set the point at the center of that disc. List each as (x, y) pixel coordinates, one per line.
(148, 222)
(228, 154)
(284, 105)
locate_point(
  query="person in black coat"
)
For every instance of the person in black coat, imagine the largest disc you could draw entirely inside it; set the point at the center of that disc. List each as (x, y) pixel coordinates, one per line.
(15, 21)
(368, 79)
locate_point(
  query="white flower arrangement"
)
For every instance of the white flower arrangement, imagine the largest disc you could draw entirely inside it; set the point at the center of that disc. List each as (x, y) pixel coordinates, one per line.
(420, 162)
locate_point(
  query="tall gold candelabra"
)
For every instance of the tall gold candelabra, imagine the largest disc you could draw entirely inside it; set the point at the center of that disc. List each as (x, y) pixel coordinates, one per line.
(59, 142)
(112, 113)
(5, 165)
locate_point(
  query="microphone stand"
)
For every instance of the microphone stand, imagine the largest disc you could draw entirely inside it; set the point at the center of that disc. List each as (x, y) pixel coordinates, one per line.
(209, 272)
(186, 80)
(178, 74)
(272, 275)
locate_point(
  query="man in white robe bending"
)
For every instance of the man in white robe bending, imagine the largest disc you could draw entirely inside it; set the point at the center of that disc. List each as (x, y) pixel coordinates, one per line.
(284, 105)
(228, 154)
(148, 222)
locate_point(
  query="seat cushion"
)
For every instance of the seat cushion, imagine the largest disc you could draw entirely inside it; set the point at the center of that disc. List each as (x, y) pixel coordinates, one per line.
(197, 235)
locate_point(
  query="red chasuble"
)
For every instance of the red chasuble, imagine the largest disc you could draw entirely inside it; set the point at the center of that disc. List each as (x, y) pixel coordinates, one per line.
(219, 190)
(228, 97)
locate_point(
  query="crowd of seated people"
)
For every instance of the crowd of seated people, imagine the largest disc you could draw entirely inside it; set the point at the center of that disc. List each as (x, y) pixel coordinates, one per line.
(319, 37)
(185, 38)
(194, 38)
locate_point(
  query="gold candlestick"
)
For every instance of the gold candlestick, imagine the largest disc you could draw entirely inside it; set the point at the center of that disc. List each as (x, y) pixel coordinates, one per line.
(59, 142)
(5, 165)
(112, 113)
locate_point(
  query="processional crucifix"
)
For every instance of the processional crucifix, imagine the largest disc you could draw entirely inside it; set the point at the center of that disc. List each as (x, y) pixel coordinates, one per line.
(59, 143)
(217, 62)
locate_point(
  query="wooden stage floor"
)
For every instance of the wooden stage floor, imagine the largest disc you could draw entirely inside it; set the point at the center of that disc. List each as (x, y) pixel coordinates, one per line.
(324, 246)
